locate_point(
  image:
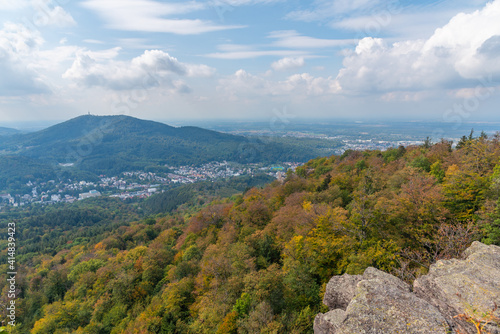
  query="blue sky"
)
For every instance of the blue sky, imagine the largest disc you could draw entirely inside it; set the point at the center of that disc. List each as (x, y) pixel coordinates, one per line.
(245, 59)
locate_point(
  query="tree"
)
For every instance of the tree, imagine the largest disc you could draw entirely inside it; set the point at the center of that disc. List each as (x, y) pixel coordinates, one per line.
(463, 189)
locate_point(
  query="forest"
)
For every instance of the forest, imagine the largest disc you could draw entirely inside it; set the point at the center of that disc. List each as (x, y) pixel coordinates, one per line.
(259, 261)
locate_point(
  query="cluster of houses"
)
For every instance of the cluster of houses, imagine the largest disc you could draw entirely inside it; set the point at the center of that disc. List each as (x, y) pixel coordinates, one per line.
(136, 194)
(372, 144)
(220, 170)
(212, 170)
(136, 184)
(16, 201)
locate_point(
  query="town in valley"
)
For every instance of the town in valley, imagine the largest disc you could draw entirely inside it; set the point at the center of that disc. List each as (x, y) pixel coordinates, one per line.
(133, 184)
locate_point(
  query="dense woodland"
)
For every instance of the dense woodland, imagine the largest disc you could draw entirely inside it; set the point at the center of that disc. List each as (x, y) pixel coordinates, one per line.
(259, 262)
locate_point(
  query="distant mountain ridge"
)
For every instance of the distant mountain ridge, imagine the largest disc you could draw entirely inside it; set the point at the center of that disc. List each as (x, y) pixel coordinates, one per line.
(82, 126)
(7, 131)
(111, 144)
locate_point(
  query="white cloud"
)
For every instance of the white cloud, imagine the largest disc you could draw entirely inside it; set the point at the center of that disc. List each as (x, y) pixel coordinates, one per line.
(346, 6)
(240, 82)
(13, 4)
(243, 85)
(93, 41)
(254, 54)
(16, 40)
(409, 96)
(149, 16)
(377, 18)
(19, 81)
(236, 3)
(55, 16)
(288, 63)
(137, 43)
(143, 8)
(151, 69)
(53, 60)
(288, 39)
(234, 47)
(408, 24)
(456, 55)
(312, 86)
(294, 40)
(469, 40)
(326, 9)
(199, 70)
(17, 45)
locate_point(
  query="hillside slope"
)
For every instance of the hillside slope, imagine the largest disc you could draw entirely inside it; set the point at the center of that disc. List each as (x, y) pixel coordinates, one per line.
(7, 131)
(110, 144)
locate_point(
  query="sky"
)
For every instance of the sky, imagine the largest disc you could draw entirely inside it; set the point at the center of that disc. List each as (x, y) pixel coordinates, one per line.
(250, 59)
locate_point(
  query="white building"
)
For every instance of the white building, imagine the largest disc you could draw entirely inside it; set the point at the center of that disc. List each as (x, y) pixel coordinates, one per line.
(92, 193)
(55, 198)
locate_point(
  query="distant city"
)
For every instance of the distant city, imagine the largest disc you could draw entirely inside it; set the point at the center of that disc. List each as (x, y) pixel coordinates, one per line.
(357, 135)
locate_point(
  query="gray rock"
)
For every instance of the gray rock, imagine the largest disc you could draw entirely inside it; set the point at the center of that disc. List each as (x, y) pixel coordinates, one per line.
(382, 304)
(447, 300)
(329, 322)
(373, 273)
(469, 287)
(340, 290)
(384, 308)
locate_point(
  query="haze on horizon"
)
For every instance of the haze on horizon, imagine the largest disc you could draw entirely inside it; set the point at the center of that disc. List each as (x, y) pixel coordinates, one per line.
(249, 59)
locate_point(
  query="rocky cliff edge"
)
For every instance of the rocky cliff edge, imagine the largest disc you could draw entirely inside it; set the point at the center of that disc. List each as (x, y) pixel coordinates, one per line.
(456, 296)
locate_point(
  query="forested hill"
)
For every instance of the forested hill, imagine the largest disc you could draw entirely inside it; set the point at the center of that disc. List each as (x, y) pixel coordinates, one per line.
(120, 126)
(7, 131)
(111, 144)
(259, 263)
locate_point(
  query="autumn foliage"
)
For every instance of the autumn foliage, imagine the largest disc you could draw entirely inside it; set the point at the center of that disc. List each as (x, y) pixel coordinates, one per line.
(259, 262)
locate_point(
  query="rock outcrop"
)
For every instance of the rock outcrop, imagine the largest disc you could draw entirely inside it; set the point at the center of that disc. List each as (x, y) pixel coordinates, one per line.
(449, 299)
(466, 289)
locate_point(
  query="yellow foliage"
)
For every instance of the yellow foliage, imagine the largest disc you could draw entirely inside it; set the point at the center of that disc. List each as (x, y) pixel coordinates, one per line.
(137, 252)
(307, 206)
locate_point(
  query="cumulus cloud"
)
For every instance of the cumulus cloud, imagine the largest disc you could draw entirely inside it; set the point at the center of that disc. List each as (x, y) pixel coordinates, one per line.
(456, 55)
(17, 41)
(244, 85)
(151, 69)
(312, 86)
(288, 63)
(17, 45)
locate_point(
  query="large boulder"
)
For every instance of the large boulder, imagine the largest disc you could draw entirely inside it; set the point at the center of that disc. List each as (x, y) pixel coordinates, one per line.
(380, 303)
(466, 291)
(449, 299)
